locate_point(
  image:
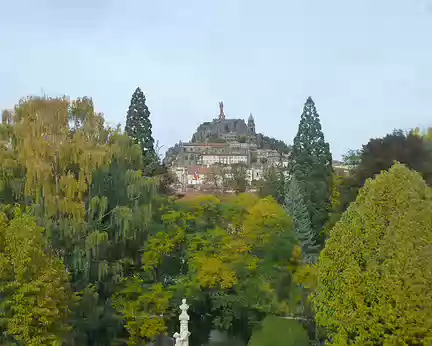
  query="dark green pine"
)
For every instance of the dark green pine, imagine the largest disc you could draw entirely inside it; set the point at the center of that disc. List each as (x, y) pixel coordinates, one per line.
(311, 165)
(296, 208)
(139, 128)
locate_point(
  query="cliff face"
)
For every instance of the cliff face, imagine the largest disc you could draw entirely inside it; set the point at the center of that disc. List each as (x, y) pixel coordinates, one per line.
(221, 130)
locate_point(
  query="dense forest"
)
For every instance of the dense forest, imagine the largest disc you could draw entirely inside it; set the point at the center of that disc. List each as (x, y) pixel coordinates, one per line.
(95, 250)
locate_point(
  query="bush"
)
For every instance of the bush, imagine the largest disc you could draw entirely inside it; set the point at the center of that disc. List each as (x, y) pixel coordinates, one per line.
(277, 331)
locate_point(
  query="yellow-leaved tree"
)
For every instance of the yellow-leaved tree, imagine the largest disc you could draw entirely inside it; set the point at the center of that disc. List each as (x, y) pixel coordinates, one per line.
(35, 293)
(375, 272)
(83, 183)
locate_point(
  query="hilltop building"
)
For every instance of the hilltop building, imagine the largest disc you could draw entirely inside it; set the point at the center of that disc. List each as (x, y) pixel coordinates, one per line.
(223, 144)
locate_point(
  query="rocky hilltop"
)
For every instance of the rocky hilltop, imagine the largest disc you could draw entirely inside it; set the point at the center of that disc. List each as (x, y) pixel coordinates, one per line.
(222, 130)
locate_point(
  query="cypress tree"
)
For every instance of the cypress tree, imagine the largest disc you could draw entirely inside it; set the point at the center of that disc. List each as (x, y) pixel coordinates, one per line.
(139, 128)
(296, 208)
(311, 165)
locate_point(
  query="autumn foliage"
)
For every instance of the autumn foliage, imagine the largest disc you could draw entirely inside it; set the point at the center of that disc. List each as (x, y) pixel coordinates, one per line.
(374, 283)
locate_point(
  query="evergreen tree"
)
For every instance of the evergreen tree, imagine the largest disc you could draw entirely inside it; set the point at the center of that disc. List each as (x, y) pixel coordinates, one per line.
(296, 208)
(311, 165)
(139, 128)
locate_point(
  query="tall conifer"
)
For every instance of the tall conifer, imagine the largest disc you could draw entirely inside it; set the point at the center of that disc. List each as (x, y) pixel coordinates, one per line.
(296, 208)
(139, 128)
(311, 165)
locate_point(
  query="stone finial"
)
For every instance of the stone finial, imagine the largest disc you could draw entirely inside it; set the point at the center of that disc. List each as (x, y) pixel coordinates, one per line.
(182, 338)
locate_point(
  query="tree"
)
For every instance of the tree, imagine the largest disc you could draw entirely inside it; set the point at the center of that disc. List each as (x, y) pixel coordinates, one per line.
(218, 253)
(35, 292)
(352, 158)
(84, 185)
(335, 211)
(142, 307)
(218, 177)
(375, 270)
(139, 128)
(380, 154)
(239, 182)
(311, 165)
(273, 184)
(294, 204)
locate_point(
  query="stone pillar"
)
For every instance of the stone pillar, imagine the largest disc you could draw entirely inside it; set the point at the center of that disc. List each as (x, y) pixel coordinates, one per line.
(182, 338)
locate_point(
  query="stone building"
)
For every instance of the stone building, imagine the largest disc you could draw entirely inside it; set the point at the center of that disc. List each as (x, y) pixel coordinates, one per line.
(224, 142)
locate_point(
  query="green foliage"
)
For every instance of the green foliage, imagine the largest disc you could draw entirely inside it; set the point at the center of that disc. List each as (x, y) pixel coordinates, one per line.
(294, 204)
(336, 206)
(375, 270)
(139, 128)
(265, 142)
(254, 258)
(131, 255)
(380, 154)
(84, 186)
(213, 138)
(352, 158)
(94, 319)
(222, 255)
(242, 139)
(276, 331)
(239, 182)
(33, 283)
(142, 306)
(273, 184)
(311, 165)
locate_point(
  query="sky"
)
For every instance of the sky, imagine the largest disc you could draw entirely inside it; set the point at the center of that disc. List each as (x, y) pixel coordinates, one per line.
(366, 63)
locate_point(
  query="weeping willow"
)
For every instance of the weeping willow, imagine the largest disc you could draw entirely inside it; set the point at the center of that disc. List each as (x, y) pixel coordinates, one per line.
(51, 151)
(83, 183)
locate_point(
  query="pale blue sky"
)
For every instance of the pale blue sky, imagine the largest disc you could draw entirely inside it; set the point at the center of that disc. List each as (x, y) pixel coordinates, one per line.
(366, 63)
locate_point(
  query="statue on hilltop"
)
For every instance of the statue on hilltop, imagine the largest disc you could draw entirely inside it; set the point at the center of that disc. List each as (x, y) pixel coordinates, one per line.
(221, 111)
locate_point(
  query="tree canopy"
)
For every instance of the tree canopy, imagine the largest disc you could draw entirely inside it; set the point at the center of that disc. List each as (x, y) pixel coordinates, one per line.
(375, 271)
(35, 293)
(379, 154)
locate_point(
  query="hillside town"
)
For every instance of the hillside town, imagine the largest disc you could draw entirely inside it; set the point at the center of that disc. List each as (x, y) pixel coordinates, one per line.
(225, 150)
(221, 148)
